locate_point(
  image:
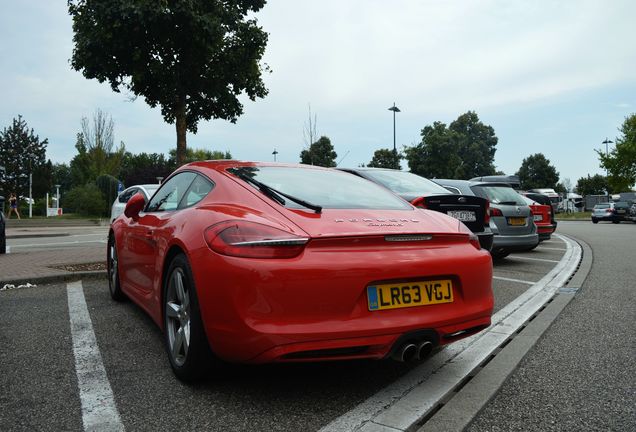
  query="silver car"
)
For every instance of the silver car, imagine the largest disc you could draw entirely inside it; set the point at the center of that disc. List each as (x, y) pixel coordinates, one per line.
(614, 212)
(147, 190)
(511, 219)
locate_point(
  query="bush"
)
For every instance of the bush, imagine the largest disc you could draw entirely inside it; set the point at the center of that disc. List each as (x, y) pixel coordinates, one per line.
(108, 185)
(86, 200)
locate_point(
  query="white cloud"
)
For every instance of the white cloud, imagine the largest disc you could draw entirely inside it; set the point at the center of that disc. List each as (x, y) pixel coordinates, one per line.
(351, 60)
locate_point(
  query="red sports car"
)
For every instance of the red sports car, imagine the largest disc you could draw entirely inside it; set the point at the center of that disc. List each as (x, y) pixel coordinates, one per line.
(542, 215)
(262, 262)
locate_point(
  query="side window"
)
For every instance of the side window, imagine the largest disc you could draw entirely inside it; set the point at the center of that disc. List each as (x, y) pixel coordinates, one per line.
(126, 196)
(199, 188)
(171, 192)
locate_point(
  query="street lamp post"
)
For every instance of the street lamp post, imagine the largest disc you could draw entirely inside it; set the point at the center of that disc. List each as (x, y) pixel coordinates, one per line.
(607, 142)
(395, 110)
(57, 198)
(274, 153)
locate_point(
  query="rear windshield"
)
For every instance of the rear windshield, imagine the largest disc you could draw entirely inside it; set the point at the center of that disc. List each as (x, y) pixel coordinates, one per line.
(500, 195)
(407, 183)
(622, 204)
(326, 188)
(601, 206)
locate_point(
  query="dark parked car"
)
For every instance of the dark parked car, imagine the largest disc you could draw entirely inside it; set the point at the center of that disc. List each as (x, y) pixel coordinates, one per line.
(511, 220)
(614, 212)
(3, 231)
(472, 210)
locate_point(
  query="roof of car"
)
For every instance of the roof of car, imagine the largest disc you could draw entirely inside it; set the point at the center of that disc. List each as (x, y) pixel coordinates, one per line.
(451, 182)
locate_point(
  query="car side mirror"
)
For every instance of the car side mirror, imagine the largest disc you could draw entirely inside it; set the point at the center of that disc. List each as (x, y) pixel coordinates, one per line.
(135, 205)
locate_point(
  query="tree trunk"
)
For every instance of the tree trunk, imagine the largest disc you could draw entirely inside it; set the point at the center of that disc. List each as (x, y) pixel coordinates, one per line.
(181, 130)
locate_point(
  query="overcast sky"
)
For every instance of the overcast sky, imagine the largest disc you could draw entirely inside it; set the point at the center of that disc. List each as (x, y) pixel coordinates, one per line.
(551, 77)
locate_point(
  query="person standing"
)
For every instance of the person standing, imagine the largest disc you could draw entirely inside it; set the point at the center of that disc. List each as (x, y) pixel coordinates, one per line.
(13, 206)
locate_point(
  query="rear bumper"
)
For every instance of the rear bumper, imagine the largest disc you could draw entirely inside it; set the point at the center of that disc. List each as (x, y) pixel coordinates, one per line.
(371, 347)
(315, 307)
(545, 231)
(516, 242)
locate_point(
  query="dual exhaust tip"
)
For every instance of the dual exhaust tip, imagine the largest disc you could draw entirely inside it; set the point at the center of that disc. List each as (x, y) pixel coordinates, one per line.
(412, 351)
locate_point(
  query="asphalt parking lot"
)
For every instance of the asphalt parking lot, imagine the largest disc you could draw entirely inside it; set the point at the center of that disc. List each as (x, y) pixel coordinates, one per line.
(37, 341)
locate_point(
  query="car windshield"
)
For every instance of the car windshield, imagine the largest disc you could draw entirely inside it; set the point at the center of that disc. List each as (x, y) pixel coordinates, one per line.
(324, 188)
(403, 182)
(501, 195)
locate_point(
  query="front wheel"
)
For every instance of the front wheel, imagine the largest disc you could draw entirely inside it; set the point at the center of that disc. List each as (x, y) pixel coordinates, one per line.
(184, 335)
(594, 221)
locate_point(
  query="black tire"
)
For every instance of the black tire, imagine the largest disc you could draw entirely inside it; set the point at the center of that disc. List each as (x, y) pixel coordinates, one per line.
(3, 242)
(616, 221)
(189, 358)
(499, 254)
(594, 221)
(113, 271)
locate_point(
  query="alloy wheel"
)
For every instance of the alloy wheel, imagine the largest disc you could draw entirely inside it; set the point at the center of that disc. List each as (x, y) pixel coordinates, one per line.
(178, 317)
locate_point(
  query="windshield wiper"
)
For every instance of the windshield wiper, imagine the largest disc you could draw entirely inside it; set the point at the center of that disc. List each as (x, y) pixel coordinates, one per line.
(274, 194)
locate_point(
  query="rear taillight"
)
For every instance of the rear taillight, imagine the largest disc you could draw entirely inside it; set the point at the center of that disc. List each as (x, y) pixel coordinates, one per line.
(419, 202)
(495, 212)
(487, 214)
(472, 237)
(253, 240)
(474, 240)
(610, 210)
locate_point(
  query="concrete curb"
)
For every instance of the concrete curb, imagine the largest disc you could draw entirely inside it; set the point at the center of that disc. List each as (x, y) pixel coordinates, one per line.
(458, 412)
(67, 277)
(416, 397)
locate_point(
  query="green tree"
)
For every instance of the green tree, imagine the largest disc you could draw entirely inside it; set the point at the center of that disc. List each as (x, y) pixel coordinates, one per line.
(386, 158)
(476, 146)
(436, 156)
(42, 179)
(192, 58)
(464, 149)
(320, 153)
(595, 185)
(86, 200)
(108, 186)
(61, 175)
(21, 153)
(96, 151)
(620, 163)
(144, 168)
(193, 155)
(536, 172)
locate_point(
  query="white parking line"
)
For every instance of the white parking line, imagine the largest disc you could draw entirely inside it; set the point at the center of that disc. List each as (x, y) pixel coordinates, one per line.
(99, 412)
(399, 406)
(513, 280)
(556, 249)
(58, 243)
(517, 257)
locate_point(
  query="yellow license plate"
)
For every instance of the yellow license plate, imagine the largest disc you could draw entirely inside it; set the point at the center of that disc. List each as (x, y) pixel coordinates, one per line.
(409, 294)
(517, 221)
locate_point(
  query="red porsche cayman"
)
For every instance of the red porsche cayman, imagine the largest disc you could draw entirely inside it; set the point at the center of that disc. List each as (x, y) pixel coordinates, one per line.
(262, 262)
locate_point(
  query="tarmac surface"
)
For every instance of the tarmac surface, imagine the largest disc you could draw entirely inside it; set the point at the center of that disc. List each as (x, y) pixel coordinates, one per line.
(44, 266)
